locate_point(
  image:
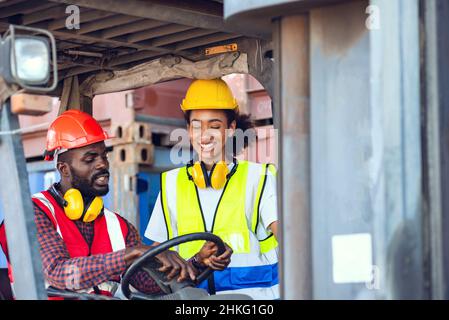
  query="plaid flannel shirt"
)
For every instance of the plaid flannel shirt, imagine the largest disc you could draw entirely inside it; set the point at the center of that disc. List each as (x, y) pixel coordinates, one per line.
(64, 272)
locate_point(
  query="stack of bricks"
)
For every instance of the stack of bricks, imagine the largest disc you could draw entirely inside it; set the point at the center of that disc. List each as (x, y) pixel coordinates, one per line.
(132, 144)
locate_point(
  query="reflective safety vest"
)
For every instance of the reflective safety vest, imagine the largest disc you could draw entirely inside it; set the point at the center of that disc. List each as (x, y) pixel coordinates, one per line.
(253, 267)
(110, 232)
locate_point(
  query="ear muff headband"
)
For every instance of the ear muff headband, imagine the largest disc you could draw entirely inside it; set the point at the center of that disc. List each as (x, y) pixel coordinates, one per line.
(55, 194)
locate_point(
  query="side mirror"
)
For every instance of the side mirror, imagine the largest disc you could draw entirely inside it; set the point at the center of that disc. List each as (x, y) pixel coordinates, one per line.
(26, 60)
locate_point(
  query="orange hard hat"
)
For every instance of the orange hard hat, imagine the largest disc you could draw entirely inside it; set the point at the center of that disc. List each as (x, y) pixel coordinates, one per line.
(73, 129)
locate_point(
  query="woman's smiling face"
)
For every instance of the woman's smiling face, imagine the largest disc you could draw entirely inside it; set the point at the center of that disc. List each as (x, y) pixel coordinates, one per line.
(208, 131)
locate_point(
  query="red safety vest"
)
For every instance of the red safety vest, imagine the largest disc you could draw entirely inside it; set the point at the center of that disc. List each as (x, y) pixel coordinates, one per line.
(110, 231)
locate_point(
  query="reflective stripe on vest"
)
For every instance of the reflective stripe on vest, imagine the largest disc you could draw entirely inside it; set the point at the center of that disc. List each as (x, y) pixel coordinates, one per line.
(115, 228)
(254, 265)
(270, 242)
(46, 202)
(164, 205)
(229, 220)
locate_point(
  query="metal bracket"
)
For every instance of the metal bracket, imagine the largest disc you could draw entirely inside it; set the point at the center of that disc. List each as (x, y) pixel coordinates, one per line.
(170, 61)
(228, 61)
(260, 62)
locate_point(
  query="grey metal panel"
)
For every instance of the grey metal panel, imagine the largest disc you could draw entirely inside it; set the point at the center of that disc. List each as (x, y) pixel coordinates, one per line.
(259, 13)
(366, 153)
(18, 210)
(39, 166)
(292, 101)
(340, 138)
(396, 88)
(162, 161)
(436, 116)
(277, 119)
(233, 7)
(160, 120)
(124, 181)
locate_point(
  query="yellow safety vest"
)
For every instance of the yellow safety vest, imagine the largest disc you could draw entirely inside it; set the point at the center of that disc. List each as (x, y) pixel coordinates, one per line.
(229, 222)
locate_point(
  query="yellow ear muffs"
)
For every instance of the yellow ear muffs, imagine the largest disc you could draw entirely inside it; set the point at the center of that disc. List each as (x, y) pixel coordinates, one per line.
(219, 175)
(74, 206)
(199, 175)
(93, 210)
(216, 179)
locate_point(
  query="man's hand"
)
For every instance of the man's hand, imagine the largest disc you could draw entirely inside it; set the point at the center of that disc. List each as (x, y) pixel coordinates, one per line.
(172, 263)
(207, 256)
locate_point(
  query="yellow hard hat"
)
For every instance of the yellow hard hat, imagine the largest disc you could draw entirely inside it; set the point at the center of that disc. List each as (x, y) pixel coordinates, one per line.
(209, 94)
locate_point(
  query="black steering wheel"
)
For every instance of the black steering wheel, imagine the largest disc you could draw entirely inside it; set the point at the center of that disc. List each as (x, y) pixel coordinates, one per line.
(149, 263)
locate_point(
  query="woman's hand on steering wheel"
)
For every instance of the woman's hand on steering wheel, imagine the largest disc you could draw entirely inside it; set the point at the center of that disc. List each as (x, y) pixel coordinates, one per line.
(206, 257)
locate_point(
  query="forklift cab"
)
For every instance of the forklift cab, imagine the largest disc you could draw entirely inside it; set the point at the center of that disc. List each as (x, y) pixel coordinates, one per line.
(360, 96)
(30, 63)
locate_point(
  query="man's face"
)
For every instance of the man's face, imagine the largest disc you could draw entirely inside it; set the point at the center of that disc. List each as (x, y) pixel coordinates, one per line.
(89, 169)
(207, 130)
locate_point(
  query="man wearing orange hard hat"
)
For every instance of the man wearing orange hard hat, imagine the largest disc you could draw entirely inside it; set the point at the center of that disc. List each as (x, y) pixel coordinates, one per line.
(84, 246)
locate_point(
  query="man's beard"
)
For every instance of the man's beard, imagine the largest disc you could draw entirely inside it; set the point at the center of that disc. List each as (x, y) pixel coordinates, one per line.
(85, 185)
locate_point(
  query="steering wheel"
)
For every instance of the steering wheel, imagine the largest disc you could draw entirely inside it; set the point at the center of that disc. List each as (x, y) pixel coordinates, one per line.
(149, 263)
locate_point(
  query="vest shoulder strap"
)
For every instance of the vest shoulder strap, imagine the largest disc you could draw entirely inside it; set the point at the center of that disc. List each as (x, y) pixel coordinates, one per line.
(42, 200)
(270, 242)
(115, 232)
(164, 204)
(258, 198)
(272, 169)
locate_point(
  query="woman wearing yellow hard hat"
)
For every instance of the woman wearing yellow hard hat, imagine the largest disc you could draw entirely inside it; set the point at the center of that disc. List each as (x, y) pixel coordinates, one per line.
(235, 200)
